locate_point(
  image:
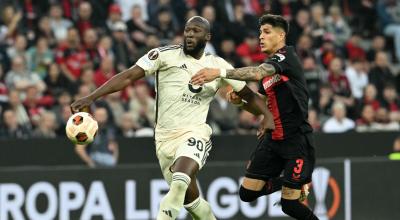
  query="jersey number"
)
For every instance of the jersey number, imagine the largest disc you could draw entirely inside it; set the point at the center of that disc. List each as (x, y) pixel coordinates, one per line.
(193, 142)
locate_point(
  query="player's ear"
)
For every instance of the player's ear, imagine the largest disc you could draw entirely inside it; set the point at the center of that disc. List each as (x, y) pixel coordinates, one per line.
(208, 36)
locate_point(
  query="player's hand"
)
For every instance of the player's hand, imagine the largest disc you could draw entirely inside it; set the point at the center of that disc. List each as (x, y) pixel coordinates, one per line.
(204, 76)
(81, 105)
(233, 98)
(267, 125)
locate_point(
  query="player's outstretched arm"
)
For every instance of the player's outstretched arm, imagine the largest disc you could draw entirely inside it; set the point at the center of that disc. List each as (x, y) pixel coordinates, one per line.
(255, 73)
(116, 83)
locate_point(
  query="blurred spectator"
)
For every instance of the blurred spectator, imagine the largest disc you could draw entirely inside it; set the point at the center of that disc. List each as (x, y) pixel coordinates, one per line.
(390, 99)
(85, 18)
(314, 76)
(250, 50)
(395, 155)
(138, 28)
(127, 125)
(357, 77)
(304, 46)
(88, 79)
(380, 73)
(388, 11)
(223, 114)
(56, 81)
(114, 15)
(45, 30)
(337, 26)
(142, 105)
(327, 52)
(152, 41)
(20, 79)
(318, 24)
(339, 82)
(62, 117)
(128, 5)
(217, 30)
(364, 20)
(123, 48)
(227, 51)
(325, 101)
(103, 151)
(35, 103)
(354, 49)
(338, 123)
(47, 126)
(58, 24)
(15, 105)
(378, 44)
(10, 22)
(383, 121)
(105, 72)
(248, 123)
(19, 47)
(370, 98)
(39, 58)
(366, 121)
(314, 120)
(243, 22)
(104, 48)
(299, 26)
(71, 57)
(10, 127)
(90, 45)
(113, 100)
(166, 29)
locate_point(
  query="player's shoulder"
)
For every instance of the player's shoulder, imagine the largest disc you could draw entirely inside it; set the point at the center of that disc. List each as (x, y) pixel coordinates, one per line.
(170, 48)
(164, 52)
(216, 58)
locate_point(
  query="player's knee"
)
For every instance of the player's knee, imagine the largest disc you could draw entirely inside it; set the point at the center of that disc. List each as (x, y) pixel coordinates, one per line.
(289, 206)
(247, 195)
(180, 181)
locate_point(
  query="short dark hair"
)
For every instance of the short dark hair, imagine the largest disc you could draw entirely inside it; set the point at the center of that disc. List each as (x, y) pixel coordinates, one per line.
(274, 21)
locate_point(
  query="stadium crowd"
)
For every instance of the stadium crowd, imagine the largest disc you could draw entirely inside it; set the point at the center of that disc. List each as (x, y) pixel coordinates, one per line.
(52, 52)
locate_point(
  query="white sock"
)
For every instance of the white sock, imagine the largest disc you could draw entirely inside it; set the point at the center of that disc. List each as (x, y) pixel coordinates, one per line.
(172, 203)
(199, 209)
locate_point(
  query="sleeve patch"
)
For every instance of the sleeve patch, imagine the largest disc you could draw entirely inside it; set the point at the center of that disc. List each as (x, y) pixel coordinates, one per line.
(278, 57)
(153, 55)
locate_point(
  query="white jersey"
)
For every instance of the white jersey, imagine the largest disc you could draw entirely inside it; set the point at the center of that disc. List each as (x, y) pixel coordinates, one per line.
(180, 106)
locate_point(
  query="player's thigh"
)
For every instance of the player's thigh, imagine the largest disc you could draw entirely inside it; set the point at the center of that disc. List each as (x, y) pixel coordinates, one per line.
(165, 151)
(300, 161)
(253, 184)
(195, 147)
(264, 163)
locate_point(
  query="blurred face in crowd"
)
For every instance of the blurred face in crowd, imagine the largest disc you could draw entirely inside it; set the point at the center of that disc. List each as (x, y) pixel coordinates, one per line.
(334, 11)
(317, 13)
(44, 24)
(302, 18)
(271, 38)
(90, 38)
(370, 92)
(252, 42)
(339, 111)
(368, 113)
(101, 116)
(141, 92)
(228, 46)
(127, 122)
(382, 115)
(85, 11)
(136, 12)
(336, 66)
(42, 45)
(55, 11)
(73, 38)
(164, 17)
(304, 42)
(18, 64)
(10, 119)
(107, 65)
(309, 64)
(8, 13)
(195, 36)
(381, 59)
(239, 12)
(105, 42)
(64, 99)
(378, 43)
(152, 41)
(48, 120)
(389, 93)
(208, 13)
(54, 71)
(13, 98)
(87, 76)
(20, 43)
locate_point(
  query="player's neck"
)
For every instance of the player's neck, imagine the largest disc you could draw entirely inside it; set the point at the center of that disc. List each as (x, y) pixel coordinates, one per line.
(277, 48)
(197, 55)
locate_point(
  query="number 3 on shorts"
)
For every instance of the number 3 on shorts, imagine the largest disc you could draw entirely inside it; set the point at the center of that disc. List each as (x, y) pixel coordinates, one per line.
(198, 143)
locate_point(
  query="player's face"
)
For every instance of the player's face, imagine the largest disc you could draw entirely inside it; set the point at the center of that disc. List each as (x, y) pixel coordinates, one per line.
(271, 38)
(195, 37)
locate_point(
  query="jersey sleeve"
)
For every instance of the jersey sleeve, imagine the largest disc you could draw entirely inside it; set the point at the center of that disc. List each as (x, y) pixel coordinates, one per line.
(280, 62)
(236, 84)
(150, 62)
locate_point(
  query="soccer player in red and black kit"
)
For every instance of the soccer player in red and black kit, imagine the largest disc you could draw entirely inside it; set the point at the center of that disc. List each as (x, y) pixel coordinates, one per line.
(289, 147)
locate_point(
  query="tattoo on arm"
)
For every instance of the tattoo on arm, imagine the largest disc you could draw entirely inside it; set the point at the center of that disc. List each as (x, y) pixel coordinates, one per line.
(251, 73)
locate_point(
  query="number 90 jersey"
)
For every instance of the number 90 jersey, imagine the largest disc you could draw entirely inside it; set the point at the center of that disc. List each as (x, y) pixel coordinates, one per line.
(180, 106)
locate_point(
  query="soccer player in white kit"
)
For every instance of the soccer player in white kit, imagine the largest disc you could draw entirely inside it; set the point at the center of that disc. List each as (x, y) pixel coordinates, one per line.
(181, 134)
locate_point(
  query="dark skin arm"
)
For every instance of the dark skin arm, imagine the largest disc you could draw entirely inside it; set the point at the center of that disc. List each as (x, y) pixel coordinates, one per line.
(116, 83)
(255, 105)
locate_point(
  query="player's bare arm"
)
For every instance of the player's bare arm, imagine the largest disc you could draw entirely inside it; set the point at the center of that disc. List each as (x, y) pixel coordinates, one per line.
(245, 74)
(116, 83)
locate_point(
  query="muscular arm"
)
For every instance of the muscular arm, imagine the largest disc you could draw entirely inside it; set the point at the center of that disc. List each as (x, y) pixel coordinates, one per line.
(251, 73)
(254, 103)
(118, 82)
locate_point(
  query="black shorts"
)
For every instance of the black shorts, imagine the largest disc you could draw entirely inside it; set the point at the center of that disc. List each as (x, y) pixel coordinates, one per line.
(294, 156)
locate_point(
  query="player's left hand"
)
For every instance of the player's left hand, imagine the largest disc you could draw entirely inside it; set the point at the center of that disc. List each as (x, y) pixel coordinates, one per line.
(267, 125)
(204, 76)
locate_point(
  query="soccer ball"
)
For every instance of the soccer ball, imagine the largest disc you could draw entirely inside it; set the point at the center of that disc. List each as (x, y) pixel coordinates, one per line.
(81, 128)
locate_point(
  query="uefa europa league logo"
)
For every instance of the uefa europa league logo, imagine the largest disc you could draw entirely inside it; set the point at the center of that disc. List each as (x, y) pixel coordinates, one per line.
(320, 181)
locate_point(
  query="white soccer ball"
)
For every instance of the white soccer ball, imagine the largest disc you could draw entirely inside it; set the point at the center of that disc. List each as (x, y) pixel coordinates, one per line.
(81, 128)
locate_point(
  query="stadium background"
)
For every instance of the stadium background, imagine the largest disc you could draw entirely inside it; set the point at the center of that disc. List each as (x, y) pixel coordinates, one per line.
(52, 52)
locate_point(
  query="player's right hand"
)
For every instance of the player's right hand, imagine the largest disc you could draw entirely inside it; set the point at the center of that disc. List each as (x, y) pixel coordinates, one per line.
(81, 105)
(233, 97)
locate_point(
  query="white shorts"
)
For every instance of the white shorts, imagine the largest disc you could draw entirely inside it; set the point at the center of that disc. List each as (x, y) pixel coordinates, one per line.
(192, 145)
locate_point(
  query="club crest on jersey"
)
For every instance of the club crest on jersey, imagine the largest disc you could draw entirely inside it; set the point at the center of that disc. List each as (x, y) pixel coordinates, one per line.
(153, 54)
(279, 57)
(195, 88)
